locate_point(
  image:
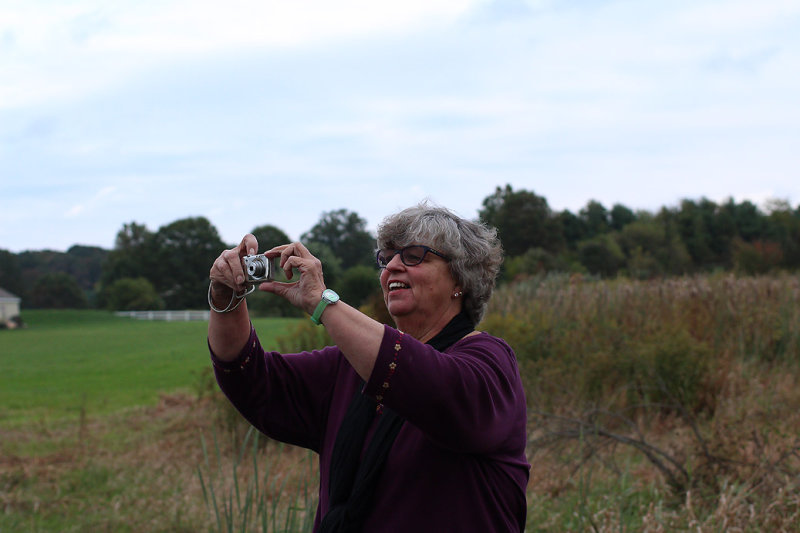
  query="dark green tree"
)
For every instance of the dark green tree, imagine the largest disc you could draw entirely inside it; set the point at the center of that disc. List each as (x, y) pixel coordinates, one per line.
(186, 249)
(57, 290)
(651, 251)
(332, 268)
(745, 219)
(573, 228)
(269, 236)
(523, 220)
(135, 254)
(86, 264)
(595, 218)
(11, 273)
(783, 227)
(82, 263)
(708, 230)
(36, 263)
(621, 216)
(345, 234)
(694, 221)
(601, 255)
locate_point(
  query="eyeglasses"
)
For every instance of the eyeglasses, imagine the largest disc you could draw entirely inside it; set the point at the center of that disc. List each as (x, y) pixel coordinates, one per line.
(410, 255)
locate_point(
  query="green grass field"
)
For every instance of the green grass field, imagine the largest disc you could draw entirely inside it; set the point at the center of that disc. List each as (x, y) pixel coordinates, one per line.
(68, 362)
(102, 421)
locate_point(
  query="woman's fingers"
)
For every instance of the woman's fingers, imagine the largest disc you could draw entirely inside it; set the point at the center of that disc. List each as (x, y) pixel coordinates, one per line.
(227, 268)
(297, 256)
(224, 270)
(304, 265)
(304, 293)
(248, 246)
(233, 261)
(287, 252)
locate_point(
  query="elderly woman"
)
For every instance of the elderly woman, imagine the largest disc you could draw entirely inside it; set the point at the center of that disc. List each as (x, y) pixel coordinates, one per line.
(420, 428)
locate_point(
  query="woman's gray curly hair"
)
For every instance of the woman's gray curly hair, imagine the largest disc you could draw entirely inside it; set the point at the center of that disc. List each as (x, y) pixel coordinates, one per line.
(473, 248)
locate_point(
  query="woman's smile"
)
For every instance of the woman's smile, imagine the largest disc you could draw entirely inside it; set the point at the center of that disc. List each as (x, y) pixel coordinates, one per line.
(397, 285)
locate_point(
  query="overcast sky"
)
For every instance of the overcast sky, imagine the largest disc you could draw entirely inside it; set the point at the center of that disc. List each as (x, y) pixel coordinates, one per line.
(273, 112)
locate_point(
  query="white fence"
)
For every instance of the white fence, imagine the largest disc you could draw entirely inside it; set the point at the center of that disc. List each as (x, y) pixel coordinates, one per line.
(169, 316)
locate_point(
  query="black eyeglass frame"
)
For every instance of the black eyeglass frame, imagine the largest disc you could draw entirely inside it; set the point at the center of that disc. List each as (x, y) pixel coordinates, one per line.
(402, 253)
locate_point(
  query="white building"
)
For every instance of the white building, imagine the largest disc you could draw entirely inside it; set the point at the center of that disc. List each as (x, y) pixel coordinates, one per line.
(9, 306)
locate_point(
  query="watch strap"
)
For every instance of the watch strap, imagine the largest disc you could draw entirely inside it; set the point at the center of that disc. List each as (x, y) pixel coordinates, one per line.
(323, 303)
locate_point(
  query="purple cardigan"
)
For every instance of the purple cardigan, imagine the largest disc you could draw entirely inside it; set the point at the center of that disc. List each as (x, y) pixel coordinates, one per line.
(458, 463)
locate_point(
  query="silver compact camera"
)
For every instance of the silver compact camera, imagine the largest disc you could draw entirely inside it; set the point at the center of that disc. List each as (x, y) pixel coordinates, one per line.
(259, 269)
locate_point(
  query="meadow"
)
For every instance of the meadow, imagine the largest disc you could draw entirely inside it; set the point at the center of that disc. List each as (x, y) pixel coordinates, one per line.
(103, 422)
(68, 362)
(662, 405)
(665, 405)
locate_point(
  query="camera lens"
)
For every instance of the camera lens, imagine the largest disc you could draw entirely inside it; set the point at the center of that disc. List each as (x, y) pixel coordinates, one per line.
(257, 268)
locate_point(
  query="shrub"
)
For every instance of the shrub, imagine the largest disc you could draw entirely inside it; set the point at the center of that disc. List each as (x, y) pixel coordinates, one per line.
(306, 336)
(375, 307)
(668, 370)
(264, 304)
(132, 294)
(357, 284)
(601, 255)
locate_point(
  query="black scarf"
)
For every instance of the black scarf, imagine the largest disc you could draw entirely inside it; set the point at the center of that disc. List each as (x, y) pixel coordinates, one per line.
(352, 482)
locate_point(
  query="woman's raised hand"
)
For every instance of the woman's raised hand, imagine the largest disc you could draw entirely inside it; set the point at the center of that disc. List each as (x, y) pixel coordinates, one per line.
(227, 269)
(306, 292)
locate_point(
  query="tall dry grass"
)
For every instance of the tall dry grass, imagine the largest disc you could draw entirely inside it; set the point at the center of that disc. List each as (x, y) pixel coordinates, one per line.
(153, 469)
(659, 405)
(647, 334)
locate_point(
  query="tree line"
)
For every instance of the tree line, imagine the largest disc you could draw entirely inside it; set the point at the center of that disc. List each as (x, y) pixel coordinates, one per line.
(168, 268)
(693, 237)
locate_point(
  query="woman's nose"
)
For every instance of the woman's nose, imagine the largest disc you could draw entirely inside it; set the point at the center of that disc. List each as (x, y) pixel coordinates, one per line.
(395, 262)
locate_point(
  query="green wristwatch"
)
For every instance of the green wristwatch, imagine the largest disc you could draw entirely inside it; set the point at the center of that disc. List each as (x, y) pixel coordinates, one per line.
(328, 298)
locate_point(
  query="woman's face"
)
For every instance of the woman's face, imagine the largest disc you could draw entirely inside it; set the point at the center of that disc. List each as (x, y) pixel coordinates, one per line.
(420, 294)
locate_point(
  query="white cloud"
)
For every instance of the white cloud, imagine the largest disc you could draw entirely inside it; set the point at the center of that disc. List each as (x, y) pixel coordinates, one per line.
(89, 203)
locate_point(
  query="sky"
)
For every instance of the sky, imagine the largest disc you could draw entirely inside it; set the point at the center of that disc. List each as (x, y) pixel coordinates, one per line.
(275, 112)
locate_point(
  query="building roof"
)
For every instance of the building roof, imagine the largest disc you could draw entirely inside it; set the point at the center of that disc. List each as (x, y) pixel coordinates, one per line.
(5, 295)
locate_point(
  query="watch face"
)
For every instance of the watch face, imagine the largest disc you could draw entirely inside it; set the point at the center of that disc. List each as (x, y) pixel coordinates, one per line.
(330, 296)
